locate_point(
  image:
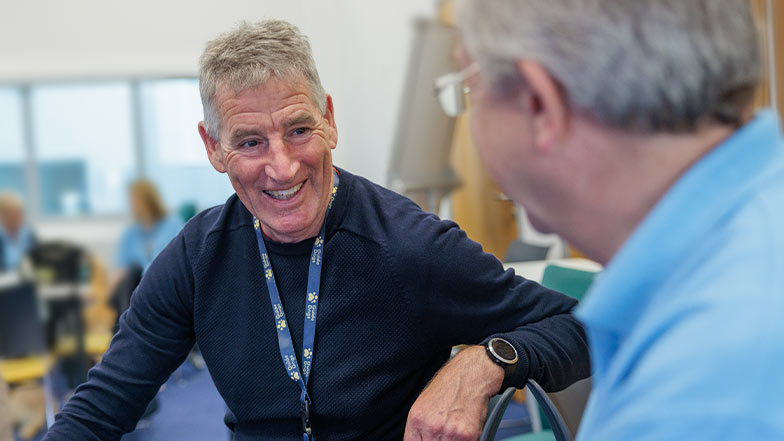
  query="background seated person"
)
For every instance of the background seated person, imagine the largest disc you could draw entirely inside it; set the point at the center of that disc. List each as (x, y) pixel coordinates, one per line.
(152, 227)
(16, 238)
(151, 231)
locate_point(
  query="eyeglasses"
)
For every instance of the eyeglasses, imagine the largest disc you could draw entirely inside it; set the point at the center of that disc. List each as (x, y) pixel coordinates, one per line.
(451, 90)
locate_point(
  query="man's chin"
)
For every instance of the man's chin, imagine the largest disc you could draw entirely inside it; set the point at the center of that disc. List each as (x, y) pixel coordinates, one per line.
(294, 229)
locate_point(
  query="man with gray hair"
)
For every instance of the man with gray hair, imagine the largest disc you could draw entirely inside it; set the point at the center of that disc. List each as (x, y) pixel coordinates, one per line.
(627, 128)
(385, 289)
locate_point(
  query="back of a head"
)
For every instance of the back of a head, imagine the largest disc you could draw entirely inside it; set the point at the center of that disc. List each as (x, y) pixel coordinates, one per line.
(638, 65)
(248, 55)
(149, 198)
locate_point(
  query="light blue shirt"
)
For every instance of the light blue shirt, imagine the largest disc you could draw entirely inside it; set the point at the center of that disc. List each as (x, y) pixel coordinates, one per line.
(686, 323)
(14, 250)
(140, 246)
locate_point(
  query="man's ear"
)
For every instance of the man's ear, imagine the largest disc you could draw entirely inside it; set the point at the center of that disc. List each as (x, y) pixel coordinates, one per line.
(548, 108)
(329, 115)
(213, 149)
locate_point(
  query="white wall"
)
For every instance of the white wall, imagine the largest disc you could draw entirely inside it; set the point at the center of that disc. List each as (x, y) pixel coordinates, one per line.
(360, 46)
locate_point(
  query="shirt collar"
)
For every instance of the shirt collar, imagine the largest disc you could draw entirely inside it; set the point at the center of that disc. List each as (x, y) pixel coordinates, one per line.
(620, 294)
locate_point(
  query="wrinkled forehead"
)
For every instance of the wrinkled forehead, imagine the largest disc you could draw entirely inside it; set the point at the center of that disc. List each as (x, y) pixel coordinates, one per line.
(270, 97)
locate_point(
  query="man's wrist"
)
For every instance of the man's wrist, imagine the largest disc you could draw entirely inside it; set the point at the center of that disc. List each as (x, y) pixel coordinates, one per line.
(503, 353)
(493, 373)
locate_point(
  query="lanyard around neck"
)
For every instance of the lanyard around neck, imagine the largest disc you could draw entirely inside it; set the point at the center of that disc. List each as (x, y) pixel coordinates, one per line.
(311, 305)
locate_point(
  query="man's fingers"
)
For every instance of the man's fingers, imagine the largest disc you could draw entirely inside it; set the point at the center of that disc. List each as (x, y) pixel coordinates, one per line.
(458, 431)
(420, 428)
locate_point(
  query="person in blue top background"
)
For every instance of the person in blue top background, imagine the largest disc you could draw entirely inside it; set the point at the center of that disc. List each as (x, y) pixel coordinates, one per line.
(628, 128)
(16, 237)
(152, 229)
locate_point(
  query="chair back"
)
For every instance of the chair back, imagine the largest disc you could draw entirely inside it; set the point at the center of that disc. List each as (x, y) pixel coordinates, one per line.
(570, 281)
(495, 413)
(557, 424)
(21, 327)
(59, 262)
(520, 251)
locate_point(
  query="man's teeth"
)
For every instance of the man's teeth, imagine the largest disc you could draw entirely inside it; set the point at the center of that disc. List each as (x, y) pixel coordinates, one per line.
(284, 194)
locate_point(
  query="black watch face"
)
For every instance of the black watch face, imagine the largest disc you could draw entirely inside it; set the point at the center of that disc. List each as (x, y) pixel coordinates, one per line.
(504, 350)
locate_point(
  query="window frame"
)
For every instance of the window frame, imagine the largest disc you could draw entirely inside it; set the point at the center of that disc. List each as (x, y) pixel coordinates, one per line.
(140, 168)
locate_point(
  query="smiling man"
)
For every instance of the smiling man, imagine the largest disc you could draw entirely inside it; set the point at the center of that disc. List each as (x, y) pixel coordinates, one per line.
(323, 304)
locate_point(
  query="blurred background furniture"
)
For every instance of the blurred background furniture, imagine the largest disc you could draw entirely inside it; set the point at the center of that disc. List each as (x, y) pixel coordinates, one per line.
(23, 356)
(61, 273)
(420, 165)
(6, 432)
(520, 251)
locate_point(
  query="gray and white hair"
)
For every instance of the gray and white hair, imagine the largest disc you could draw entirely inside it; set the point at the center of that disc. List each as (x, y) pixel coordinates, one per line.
(638, 65)
(248, 55)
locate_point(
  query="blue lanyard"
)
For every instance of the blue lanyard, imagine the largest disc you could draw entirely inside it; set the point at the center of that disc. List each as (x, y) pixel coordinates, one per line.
(311, 305)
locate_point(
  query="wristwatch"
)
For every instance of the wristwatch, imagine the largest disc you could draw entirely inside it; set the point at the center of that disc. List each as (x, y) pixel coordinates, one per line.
(503, 354)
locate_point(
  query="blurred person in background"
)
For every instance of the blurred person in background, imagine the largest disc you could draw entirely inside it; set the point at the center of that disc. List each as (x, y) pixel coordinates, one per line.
(627, 128)
(16, 238)
(152, 229)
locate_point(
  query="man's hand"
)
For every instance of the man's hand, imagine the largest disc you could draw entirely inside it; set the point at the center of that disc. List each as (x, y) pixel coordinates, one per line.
(454, 405)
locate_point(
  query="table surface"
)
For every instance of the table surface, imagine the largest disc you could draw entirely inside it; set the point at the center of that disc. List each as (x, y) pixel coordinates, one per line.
(534, 270)
(57, 291)
(95, 343)
(63, 291)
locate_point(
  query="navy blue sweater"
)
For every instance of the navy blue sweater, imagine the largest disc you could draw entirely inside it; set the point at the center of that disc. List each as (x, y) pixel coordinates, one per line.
(399, 288)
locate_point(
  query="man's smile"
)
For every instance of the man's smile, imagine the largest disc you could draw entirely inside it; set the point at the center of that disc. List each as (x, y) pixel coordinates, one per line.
(283, 195)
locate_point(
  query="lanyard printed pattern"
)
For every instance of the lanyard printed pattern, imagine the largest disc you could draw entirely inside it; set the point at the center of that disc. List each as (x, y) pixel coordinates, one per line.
(311, 306)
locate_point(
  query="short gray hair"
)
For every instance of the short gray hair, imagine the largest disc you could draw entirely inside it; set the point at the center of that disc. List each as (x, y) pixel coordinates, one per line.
(248, 55)
(639, 65)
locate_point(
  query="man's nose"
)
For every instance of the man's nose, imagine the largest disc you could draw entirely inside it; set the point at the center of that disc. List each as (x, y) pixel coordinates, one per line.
(281, 167)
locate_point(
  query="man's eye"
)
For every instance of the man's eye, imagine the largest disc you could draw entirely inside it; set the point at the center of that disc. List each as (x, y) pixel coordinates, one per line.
(300, 131)
(250, 144)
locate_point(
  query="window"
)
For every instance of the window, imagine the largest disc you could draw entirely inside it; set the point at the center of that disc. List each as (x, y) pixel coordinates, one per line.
(89, 140)
(84, 146)
(174, 154)
(12, 145)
